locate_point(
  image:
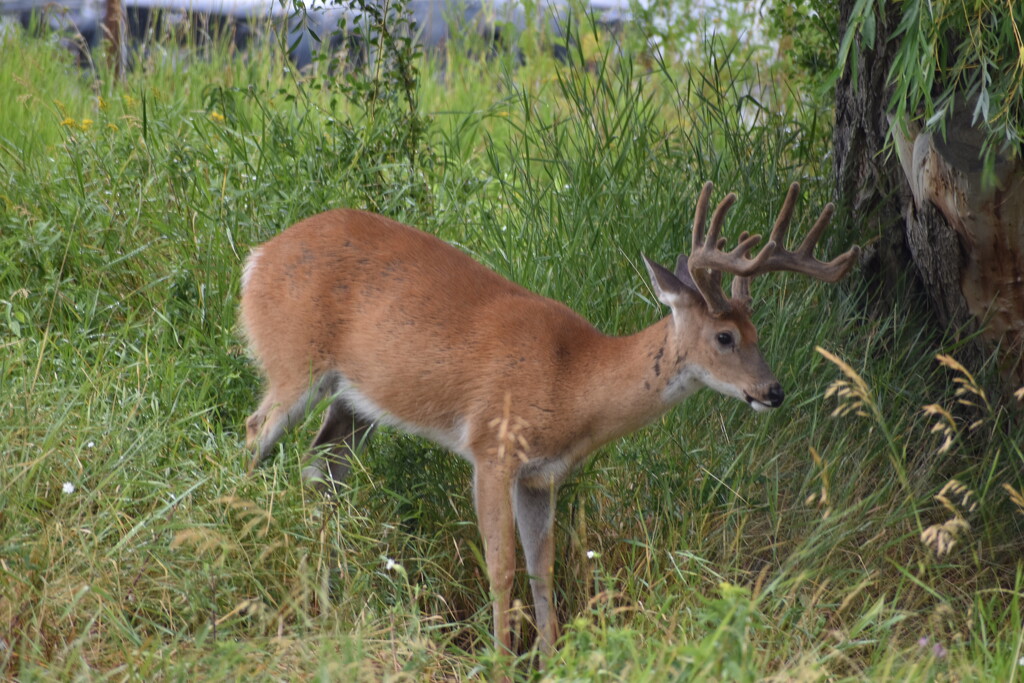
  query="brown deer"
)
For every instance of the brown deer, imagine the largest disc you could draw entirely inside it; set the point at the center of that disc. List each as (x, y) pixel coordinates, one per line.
(395, 327)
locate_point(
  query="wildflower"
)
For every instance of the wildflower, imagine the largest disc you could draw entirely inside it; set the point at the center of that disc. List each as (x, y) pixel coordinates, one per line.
(217, 117)
(68, 488)
(90, 444)
(391, 565)
(85, 124)
(591, 554)
(69, 122)
(937, 649)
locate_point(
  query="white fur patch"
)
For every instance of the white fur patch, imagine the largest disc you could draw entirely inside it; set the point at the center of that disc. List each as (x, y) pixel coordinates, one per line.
(250, 265)
(684, 384)
(542, 472)
(455, 439)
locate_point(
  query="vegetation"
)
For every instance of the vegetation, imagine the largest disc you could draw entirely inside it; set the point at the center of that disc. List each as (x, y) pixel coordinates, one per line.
(952, 56)
(820, 541)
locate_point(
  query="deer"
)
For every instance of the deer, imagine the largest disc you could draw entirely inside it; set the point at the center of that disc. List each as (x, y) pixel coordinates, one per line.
(389, 325)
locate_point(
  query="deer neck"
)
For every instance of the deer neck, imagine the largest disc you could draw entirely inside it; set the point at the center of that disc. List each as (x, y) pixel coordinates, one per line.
(632, 380)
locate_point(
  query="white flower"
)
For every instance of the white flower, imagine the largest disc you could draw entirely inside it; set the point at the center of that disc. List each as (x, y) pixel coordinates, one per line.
(392, 566)
(591, 554)
(69, 488)
(90, 444)
(1020, 662)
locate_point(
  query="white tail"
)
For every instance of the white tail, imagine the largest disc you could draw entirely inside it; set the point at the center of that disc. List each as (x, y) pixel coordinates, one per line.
(396, 327)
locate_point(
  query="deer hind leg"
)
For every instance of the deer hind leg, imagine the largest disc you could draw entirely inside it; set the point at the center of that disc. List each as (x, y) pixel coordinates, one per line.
(282, 407)
(492, 493)
(535, 516)
(341, 434)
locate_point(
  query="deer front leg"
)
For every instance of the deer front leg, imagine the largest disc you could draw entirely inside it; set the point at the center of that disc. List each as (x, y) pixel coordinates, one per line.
(535, 516)
(492, 494)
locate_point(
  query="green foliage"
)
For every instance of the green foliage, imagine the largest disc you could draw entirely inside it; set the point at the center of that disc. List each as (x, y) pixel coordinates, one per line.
(375, 71)
(952, 56)
(135, 544)
(808, 30)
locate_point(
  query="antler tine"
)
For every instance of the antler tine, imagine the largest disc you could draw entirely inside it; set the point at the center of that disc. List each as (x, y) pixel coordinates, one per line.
(708, 261)
(778, 234)
(740, 283)
(837, 268)
(700, 216)
(705, 258)
(714, 238)
(806, 247)
(802, 260)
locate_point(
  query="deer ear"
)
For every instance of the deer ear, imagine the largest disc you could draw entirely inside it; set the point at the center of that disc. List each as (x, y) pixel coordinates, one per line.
(683, 272)
(671, 290)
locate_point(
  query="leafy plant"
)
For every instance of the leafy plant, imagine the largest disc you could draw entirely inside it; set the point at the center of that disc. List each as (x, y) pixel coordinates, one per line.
(951, 57)
(370, 58)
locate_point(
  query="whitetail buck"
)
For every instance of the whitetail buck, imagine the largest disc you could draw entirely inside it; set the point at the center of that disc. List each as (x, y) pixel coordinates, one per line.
(395, 327)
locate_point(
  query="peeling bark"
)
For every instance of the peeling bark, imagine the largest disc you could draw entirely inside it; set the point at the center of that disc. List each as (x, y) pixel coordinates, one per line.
(977, 259)
(924, 211)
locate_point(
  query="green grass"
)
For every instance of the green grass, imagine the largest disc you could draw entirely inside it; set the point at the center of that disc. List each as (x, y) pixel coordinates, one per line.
(714, 545)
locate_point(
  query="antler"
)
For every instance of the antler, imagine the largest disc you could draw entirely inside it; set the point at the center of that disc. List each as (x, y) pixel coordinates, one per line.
(707, 261)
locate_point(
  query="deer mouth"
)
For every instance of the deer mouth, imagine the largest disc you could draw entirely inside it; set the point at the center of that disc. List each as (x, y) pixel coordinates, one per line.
(761, 406)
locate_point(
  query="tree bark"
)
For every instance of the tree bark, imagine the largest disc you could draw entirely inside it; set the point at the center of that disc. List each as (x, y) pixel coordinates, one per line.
(922, 207)
(114, 33)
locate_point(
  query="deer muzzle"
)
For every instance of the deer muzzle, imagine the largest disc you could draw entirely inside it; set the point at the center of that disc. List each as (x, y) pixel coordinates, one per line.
(772, 397)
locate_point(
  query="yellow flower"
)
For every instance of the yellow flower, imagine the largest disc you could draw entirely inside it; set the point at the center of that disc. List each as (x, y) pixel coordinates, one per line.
(216, 116)
(101, 102)
(112, 127)
(68, 121)
(85, 124)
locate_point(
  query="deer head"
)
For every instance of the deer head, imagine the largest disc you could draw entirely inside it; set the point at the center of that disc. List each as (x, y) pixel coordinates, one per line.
(716, 330)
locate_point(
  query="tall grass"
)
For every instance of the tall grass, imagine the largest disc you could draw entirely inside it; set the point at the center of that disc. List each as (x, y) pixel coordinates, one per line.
(715, 544)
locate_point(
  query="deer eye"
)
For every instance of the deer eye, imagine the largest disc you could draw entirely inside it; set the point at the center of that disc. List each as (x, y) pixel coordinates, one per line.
(724, 339)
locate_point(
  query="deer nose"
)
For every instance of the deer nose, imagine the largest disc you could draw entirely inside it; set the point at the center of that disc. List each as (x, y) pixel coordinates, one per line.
(775, 395)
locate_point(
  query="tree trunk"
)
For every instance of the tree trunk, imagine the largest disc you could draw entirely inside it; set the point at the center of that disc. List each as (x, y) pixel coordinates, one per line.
(114, 33)
(922, 208)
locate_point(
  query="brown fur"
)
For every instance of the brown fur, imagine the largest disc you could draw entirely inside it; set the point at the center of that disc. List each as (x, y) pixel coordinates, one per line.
(438, 343)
